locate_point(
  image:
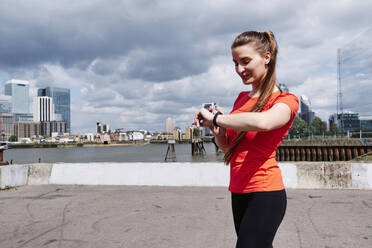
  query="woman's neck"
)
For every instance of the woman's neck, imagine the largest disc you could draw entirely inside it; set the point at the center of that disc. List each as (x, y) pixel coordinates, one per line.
(256, 92)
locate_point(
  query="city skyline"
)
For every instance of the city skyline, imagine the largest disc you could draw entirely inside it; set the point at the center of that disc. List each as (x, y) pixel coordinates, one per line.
(48, 113)
(134, 68)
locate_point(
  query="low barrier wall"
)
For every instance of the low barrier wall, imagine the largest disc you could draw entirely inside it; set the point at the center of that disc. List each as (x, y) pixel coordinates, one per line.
(320, 175)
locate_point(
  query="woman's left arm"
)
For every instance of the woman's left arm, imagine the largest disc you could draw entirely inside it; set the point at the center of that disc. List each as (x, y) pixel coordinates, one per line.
(276, 117)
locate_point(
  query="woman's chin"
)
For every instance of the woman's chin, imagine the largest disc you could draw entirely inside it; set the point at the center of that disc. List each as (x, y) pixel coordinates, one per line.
(247, 82)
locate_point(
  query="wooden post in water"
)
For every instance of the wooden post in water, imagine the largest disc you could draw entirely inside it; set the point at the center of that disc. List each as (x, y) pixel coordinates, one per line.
(197, 147)
(171, 152)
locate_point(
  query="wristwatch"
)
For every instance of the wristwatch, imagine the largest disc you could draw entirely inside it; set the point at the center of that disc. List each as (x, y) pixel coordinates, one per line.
(215, 118)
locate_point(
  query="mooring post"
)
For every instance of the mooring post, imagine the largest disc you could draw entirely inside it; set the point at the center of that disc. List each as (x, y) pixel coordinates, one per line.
(171, 152)
(197, 147)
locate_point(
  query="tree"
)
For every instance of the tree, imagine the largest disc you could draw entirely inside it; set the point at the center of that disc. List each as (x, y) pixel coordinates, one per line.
(318, 126)
(299, 128)
(13, 138)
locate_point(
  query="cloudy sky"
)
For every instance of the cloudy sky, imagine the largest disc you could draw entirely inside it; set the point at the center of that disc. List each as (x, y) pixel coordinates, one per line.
(131, 64)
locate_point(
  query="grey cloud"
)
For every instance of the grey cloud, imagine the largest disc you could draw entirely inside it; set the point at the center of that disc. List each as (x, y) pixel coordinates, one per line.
(74, 34)
(120, 52)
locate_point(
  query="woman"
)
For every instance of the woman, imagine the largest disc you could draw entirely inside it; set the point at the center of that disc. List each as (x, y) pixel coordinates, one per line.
(250, 135)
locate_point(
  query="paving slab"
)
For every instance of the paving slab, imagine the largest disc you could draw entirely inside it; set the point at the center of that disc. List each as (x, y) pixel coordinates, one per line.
(72, 216)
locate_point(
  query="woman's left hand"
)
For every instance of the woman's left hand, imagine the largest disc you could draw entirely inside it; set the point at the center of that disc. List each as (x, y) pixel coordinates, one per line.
(203, 118)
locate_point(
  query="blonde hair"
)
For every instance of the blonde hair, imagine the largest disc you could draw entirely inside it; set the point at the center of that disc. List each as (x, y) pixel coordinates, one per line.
(262, 42)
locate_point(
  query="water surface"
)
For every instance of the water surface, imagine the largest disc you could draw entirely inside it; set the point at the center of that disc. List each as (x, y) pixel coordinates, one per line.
(135, 153)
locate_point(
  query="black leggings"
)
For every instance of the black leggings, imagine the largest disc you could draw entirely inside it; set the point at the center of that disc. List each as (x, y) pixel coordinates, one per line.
(257, 216)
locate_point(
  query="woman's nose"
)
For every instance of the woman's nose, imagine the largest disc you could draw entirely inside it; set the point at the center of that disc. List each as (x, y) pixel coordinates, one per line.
(239, 68)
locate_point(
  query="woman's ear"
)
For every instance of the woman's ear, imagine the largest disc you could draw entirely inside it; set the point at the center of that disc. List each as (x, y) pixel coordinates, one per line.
(267, 58)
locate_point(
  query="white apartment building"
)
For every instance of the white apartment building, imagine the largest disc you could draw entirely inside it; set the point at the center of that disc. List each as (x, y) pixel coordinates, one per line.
(43, 109)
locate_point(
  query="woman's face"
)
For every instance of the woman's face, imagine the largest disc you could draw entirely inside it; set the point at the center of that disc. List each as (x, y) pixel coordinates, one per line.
(249, 64)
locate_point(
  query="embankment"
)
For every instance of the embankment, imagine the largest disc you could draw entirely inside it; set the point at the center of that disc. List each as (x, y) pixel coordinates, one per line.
(316, 175)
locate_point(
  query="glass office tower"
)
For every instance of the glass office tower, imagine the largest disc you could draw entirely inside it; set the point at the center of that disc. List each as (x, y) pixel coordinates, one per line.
(61, 99)
(306, 114)
(19, 91)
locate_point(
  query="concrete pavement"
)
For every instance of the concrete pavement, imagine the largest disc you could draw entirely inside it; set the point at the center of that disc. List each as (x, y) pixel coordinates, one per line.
(160, 217)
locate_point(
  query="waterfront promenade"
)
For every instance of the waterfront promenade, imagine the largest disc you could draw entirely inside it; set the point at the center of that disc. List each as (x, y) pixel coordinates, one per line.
(160, 217)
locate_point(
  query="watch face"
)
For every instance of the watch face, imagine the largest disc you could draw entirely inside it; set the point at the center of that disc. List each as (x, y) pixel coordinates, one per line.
(209, 106)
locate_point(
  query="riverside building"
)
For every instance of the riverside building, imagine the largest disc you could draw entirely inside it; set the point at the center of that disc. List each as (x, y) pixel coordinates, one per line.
(61, 100)
(102, 128)
(44, 112)
(27, 129)
(43, 109)
(188, 133)
(6, 126)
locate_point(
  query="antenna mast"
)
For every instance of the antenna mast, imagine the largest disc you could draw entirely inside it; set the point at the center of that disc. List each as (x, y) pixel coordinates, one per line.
(339, 91)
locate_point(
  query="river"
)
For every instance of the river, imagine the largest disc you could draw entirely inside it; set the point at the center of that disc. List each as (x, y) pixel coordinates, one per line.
(128, 153)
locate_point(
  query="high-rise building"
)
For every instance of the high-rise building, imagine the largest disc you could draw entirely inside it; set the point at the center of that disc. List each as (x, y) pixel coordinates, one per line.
(169, 125)
(61, 99)
(306, 114)
(6, 126)
(43, 109)
(351, 121)
(19, 91)
(5, 104)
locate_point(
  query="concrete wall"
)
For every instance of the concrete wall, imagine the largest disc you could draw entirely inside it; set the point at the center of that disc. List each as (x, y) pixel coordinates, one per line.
(162, 174)
(295, 175)
(14, 175)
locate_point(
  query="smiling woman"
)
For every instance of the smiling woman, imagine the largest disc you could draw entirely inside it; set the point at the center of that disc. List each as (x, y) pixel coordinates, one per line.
(250, 135)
